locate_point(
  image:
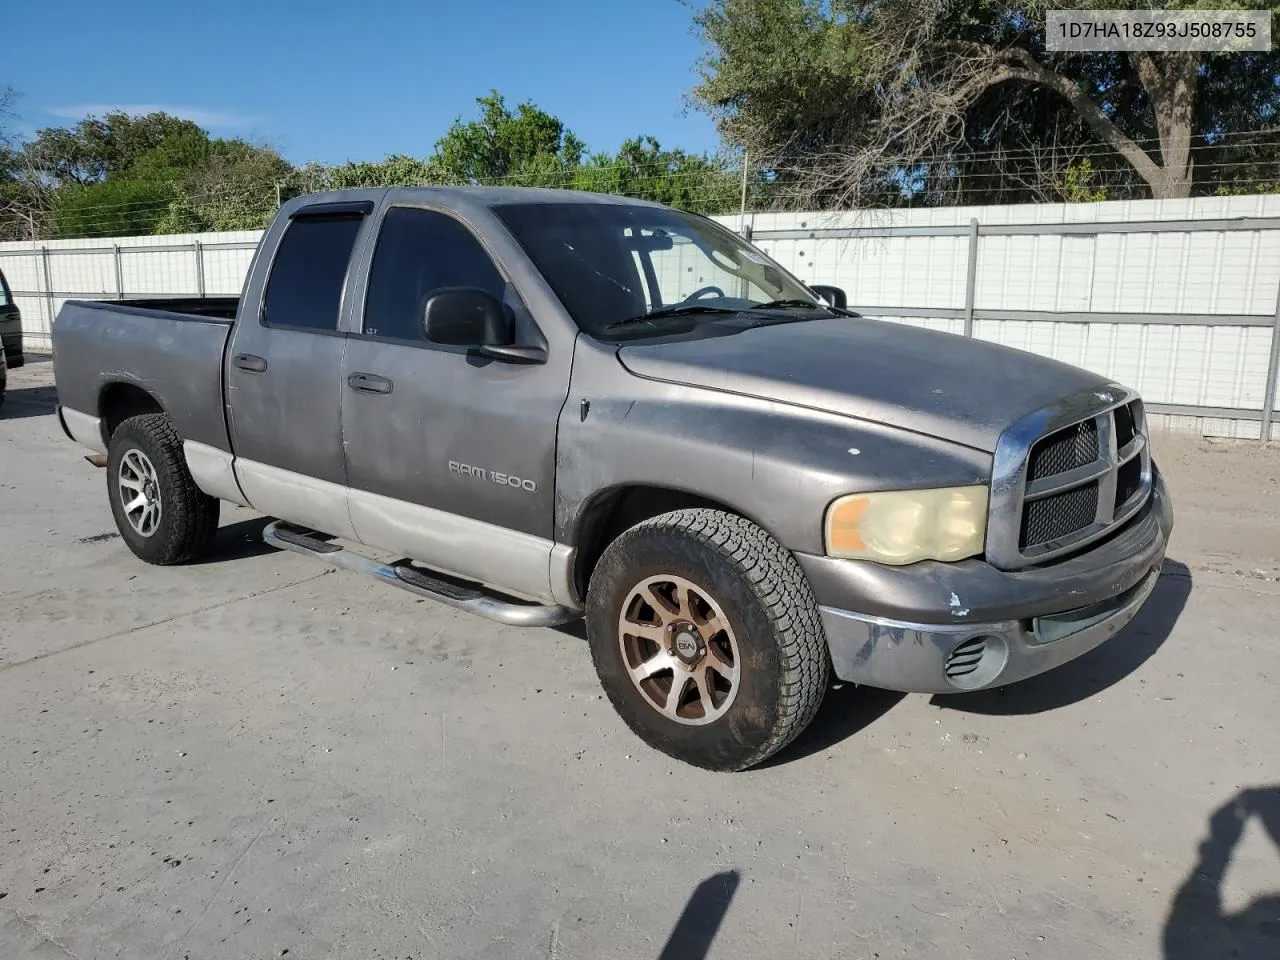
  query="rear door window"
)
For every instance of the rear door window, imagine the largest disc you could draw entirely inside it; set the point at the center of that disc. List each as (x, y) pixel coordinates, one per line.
(304, 289)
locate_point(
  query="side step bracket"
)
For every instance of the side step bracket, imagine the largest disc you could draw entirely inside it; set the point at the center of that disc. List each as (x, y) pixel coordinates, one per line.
(439, 587)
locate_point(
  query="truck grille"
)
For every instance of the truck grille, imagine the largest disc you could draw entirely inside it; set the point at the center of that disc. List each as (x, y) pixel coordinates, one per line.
(1058, 515)
(1057, 490)
(1065, 450)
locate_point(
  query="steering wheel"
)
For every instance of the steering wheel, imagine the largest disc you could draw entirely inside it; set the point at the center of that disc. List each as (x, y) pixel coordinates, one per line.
(702, 292)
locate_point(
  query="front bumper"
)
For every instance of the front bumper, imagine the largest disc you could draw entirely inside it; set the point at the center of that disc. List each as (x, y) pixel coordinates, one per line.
(946, 628)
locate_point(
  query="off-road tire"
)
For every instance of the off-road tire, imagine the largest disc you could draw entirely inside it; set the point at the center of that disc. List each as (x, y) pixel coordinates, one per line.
(761, 590)
(188, 516)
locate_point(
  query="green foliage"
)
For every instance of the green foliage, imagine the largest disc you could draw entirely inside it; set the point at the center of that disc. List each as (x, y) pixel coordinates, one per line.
(528, 147)
(98, 148)
(781, 73)
(959, 101)
(397, 170)
(121, 175)
(503, 144)
(110, 208)
(642, 169)
(232, 188)
(1080, 185)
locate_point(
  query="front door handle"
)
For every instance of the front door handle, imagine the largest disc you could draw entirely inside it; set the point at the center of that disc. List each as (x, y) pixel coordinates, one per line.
(369, 383)
(250, 363)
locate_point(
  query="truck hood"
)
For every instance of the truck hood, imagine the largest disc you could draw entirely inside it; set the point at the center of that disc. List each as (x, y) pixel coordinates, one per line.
(939, 384)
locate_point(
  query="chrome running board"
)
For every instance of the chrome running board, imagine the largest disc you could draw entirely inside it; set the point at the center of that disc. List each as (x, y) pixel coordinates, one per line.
(440, 587)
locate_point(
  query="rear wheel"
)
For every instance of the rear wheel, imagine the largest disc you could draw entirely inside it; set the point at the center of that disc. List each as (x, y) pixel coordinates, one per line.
(706, 638)
(161, 514)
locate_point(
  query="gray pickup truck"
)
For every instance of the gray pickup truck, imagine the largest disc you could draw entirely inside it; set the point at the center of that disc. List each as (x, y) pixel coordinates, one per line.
(556, 405)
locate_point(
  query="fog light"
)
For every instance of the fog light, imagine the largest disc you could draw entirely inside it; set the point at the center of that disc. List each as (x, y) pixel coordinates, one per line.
(976, 662)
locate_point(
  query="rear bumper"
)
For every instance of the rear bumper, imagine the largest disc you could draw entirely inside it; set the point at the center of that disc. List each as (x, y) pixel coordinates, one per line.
(976, 626)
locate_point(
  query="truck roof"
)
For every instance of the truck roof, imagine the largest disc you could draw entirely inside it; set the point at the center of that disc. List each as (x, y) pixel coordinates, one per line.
(462, 199)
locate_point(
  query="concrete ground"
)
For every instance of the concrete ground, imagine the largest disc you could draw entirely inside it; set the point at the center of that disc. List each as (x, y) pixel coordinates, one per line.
(255, 757)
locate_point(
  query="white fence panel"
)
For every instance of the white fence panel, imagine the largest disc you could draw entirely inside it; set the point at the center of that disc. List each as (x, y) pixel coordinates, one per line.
(1210, 292)
(110, 268)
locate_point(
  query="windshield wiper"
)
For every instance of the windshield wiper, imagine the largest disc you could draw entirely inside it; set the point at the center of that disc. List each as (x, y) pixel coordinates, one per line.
(676, 311)
(782, 304)
(812, 305)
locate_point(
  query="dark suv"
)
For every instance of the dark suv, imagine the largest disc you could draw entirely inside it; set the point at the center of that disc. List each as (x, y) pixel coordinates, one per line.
(10, 325)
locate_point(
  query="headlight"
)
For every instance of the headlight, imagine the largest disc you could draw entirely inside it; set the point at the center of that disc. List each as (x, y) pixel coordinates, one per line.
(903, 526)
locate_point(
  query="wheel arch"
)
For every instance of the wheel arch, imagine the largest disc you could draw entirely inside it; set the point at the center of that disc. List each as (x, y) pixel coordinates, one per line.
(612, 511)
(119, 400)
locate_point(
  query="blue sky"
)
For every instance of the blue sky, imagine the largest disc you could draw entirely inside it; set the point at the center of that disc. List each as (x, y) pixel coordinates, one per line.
(332, 81)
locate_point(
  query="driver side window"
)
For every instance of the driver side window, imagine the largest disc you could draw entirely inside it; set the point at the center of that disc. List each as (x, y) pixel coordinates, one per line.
(420, 252)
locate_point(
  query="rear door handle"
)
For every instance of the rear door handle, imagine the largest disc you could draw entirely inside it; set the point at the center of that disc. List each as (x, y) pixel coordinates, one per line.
(250, 363)
(369, 383)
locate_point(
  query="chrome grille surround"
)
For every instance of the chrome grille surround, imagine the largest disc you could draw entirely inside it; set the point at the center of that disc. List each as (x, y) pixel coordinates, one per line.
(1011, 490)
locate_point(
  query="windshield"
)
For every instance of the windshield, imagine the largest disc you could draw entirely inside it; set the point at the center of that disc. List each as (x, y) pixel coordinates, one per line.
(614, 266)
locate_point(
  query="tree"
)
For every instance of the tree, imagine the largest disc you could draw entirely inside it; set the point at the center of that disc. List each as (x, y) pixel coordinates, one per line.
(857, 101)
(503, 144)
(105, 176)
(100, 147)
(231, 187)
(8, 97)
(24, 200)
(121, 175)
(397, 170)
(529, 147)
(644, 170)
(117, 207)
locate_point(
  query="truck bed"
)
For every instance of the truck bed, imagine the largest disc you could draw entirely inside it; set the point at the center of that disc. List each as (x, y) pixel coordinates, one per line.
(208, 307)
(176, 357)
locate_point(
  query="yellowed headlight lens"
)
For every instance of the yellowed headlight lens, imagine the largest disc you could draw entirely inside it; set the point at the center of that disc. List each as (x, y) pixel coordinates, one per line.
(904, 526)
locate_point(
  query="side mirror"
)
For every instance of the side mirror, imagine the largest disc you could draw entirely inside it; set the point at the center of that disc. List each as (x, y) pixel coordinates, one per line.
(466, 317)
(833, 295)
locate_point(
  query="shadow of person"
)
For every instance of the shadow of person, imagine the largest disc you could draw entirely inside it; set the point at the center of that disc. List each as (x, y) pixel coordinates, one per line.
(700, 921)
(1197, 927)
(1096, 670)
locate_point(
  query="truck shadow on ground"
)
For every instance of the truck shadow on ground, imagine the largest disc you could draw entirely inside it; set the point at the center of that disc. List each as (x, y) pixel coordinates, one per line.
(1198, 926)
(238, 541)
(21, 403)
(694, 932)
(1103, 666)
(845, 712)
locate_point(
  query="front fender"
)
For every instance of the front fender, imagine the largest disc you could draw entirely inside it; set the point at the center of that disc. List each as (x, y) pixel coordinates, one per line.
(777, 464)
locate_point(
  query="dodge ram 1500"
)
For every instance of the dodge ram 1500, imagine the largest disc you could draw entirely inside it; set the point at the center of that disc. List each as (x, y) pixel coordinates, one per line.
(558, 405)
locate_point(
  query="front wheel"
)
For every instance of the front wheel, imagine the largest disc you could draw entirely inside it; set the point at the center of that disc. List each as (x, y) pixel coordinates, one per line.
(706, 638)
(161, 514)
